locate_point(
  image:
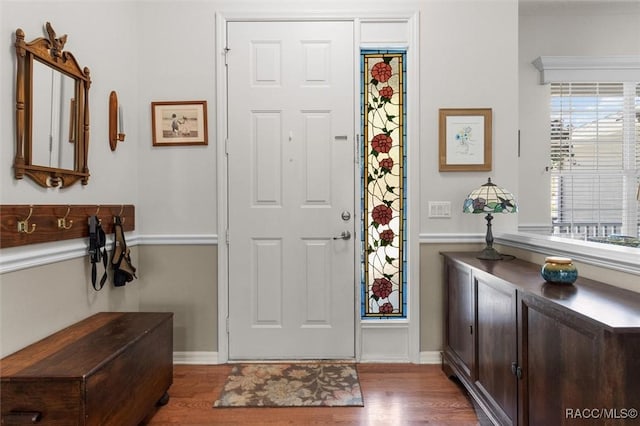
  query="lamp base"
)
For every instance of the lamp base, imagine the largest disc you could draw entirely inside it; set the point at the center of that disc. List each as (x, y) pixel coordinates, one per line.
(489, 253)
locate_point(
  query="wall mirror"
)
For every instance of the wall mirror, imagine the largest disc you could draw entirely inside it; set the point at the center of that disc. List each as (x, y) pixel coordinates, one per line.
(52, 112)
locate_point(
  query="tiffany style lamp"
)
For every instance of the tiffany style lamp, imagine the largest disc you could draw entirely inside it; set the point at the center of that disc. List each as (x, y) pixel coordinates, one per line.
(489, 198)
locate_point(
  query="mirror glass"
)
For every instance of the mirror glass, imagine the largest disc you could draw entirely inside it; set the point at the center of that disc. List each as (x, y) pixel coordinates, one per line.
(52, 124)
(52, 112)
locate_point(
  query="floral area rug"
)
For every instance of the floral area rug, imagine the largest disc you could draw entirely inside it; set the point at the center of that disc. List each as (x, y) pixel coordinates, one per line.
(291, 385)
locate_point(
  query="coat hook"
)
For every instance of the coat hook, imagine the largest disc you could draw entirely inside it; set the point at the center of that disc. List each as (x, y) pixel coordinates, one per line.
(62, 221)
(96, 214)
(122, 219)
(23, 225)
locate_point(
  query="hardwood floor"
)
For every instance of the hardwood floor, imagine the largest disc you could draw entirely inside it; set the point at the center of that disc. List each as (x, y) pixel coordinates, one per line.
(394, 394)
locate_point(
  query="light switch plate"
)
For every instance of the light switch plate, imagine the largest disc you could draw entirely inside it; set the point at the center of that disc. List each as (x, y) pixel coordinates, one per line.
(440, 209)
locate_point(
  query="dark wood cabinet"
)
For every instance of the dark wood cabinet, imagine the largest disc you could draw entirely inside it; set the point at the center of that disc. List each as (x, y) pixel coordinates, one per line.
(496, 345)
(108, 369)
(459, 329)
(561, 355)
(543, 354)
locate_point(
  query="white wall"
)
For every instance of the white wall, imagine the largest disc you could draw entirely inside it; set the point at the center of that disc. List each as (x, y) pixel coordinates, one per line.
(176, 57)
(101, 35)
(155, 50)
(560, 30)
(469, 60)
(43, 300)
(465, 63)
(160, 50)
(165, 50)
(103, 41)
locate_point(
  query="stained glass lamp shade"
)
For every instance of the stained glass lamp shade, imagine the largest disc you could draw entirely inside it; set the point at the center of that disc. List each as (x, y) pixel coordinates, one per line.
(489, 199)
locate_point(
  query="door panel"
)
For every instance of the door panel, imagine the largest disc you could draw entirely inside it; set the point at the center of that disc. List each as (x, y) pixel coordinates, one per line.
(496, 345)
(570, 380)
(291, 175)
(266, 158)
(459, 299)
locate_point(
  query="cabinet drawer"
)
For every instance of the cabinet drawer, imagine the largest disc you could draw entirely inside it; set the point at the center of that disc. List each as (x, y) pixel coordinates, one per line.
(58, 402)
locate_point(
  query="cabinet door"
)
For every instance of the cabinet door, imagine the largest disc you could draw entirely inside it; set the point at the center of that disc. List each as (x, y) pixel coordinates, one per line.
(459, 317)
(497, 346)
(560, 359)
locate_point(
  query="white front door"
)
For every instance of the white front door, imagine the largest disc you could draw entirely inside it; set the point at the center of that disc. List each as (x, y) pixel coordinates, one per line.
(291, 190)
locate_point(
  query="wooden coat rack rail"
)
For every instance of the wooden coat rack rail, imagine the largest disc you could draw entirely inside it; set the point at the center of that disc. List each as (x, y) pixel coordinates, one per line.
(22, 224)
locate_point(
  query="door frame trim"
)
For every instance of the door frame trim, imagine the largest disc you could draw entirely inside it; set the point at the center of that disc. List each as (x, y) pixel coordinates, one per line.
(412, 323)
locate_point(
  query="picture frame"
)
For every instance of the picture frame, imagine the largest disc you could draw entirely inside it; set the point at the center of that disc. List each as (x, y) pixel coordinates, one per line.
(465, 143)
(179, 123)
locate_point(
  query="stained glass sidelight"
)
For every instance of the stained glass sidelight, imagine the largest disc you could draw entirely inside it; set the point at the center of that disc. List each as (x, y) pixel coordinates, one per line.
(383, 75)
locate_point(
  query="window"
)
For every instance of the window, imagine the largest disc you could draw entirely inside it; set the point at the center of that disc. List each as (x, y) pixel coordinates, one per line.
(595, 161)
(384, 183)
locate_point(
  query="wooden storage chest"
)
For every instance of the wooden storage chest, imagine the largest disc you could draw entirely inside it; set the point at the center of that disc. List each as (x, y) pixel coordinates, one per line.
(109, 369)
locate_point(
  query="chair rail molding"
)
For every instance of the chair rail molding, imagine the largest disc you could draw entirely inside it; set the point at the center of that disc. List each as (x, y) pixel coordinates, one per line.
(451, 238)
(24, 257)
(186, 239)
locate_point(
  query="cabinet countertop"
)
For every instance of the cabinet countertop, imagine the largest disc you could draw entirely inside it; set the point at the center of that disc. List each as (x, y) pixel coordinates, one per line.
(616, 309)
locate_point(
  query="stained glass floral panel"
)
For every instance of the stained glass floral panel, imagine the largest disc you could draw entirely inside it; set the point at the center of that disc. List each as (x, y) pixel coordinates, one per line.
(383, 175)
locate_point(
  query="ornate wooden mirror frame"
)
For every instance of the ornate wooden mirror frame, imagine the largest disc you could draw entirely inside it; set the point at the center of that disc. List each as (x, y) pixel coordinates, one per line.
(48, 52)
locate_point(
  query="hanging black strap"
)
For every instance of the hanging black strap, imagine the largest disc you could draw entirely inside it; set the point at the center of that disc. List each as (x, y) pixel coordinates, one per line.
(97, 241)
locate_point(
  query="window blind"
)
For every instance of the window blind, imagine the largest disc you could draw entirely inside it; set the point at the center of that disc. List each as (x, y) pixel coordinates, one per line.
(595, 158)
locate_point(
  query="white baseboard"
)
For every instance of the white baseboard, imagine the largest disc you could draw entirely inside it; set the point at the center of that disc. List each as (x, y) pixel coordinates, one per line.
(195, 357)
(430, 357)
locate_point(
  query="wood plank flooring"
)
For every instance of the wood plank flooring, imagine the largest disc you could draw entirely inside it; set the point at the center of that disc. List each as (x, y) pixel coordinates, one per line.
(394, 394)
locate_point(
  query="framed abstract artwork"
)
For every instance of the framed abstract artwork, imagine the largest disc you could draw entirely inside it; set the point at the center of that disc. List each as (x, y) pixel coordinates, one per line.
(465, 139)
(179, 123)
